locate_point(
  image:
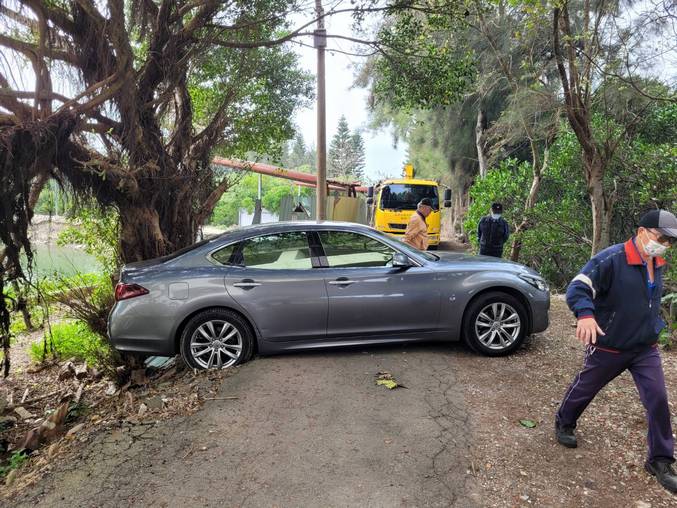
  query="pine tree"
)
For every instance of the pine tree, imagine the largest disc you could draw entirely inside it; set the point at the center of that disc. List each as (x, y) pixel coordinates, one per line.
(297, 152)
(357, 157)
(346, 154)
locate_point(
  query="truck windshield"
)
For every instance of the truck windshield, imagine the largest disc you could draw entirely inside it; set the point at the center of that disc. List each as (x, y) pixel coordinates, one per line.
(400, 196)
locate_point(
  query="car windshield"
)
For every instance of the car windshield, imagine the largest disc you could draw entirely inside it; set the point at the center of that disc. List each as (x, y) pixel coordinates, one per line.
(402, 196)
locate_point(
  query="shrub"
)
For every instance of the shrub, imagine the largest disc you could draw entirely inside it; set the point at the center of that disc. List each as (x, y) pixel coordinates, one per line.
(74, 339)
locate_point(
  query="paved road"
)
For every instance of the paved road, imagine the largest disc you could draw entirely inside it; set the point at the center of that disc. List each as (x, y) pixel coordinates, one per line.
(307, 430)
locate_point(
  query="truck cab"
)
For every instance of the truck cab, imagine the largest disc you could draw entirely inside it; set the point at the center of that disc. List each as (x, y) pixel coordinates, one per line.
(395, 200)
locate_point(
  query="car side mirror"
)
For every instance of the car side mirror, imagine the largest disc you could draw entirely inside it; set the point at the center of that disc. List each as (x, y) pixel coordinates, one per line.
(447, 198)
(401, 260)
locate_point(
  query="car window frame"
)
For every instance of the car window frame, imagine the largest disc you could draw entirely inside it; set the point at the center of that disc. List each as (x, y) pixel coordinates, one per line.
(237, 252)
(325, 262)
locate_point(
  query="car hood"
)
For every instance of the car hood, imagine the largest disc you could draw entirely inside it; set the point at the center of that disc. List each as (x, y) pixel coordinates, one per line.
(449, 259)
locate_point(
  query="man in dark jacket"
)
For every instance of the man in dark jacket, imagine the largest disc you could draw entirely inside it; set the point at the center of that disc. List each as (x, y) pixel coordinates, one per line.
(493, 232)
(617, 298)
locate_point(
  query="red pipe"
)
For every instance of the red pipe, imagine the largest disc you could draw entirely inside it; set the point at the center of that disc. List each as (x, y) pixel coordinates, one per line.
(297, 176)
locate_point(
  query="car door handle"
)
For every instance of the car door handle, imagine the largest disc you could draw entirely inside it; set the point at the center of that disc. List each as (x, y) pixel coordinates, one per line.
(247, 284)
(342, 282)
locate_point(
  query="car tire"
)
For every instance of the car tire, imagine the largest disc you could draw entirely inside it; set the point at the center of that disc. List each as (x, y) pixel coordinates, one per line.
(495, 324)
(216, 338)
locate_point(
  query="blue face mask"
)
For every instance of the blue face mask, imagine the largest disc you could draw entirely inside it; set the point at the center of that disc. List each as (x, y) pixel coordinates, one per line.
(495, 215)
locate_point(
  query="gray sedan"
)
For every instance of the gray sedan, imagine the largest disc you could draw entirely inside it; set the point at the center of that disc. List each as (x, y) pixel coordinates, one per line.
(294, 286)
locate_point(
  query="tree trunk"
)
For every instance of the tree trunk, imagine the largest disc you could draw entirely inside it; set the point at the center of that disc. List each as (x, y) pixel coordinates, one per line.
(516, 247)
(480, 129)
(140, 234)
(529, 204)
(602, 207)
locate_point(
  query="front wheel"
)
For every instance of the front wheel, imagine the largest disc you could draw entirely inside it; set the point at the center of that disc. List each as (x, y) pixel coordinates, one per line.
(495, 324)
(216, 339)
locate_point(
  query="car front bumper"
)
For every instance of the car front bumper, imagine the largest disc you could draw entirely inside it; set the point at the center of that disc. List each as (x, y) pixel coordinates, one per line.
(540, 305)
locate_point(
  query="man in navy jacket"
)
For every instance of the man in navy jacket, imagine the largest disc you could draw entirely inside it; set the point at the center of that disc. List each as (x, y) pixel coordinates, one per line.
(493, 232)
(616, 298)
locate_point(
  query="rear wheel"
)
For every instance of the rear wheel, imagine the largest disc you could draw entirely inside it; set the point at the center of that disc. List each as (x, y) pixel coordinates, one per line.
(216, 339)
(495, 324)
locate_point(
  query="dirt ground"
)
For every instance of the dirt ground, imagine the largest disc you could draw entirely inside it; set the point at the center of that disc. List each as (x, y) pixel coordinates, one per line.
(522, 466)
(313, 429)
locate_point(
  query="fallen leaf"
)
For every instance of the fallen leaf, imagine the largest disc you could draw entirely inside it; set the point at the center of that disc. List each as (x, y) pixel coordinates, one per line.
(529, 424)
(388, 383)
(385, 378)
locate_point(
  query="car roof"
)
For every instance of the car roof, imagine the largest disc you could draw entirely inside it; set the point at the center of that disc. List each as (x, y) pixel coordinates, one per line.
(275, 227)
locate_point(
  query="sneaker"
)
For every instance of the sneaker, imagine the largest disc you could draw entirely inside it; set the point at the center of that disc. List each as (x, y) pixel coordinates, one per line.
(565, 435)
(664, 474)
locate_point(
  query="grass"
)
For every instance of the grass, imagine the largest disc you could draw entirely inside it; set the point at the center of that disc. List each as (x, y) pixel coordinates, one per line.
(73, 339)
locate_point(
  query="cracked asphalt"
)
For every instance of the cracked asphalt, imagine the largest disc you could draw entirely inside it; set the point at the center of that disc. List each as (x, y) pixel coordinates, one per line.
(308, 429)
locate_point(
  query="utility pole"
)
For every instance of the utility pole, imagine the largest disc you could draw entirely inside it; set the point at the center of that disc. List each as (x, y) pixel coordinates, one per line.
(320, 42)
(257, 206)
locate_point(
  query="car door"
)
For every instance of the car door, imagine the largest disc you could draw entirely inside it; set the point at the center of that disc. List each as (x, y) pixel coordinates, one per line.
(273, 279)
(368, 297)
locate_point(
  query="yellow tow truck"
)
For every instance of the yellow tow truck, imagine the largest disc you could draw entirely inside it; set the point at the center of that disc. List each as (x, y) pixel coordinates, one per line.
(393, 201)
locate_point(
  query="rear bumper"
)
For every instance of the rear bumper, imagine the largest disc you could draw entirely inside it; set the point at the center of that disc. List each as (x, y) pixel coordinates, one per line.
(143, 346)
(130, 332)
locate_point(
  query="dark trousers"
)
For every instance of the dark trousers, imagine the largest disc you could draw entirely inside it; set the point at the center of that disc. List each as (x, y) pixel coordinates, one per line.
(491, 251)
(599, 368)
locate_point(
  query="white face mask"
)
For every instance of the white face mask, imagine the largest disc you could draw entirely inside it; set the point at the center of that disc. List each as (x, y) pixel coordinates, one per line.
(653, 248)
(495, 215)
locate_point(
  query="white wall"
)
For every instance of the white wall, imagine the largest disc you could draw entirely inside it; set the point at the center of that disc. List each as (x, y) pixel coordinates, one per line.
(246, 218)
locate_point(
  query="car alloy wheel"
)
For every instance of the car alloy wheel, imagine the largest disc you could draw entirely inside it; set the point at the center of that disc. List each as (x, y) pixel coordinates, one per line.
(216, 344)
(498, 326)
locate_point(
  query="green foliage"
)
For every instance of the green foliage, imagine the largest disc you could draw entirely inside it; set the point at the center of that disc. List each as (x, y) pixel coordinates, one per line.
(74, 339)
(271, 86)
(299, 156)
(18, 325)
(557, 242)
(422, 64)
(98, 231)
(513, 86)
(15, 461)
(53, 200)
(244, 194)
(508, 184)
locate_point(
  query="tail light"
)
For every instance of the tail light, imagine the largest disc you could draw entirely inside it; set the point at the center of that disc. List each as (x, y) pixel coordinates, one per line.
(127, 291)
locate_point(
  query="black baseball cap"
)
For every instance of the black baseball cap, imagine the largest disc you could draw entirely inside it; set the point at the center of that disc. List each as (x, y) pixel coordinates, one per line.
(426, 202)
(497, 207)
(662, 220)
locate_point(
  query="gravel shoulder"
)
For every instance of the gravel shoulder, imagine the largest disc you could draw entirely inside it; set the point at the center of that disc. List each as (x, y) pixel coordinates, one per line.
(518, 466)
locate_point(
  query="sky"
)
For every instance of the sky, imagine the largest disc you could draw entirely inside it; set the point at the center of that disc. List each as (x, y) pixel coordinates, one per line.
(382, 159)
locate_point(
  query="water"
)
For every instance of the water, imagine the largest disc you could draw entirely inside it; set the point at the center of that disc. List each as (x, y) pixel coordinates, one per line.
(64, 260)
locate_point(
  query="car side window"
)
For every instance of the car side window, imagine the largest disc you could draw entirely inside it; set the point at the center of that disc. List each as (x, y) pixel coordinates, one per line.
(281, 251)
(227, 255)
(345, 249)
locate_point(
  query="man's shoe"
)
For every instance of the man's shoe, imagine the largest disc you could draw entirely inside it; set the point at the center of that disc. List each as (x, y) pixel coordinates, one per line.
(565, 435)
(664, 474)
